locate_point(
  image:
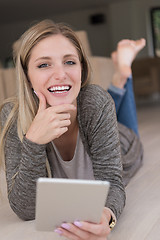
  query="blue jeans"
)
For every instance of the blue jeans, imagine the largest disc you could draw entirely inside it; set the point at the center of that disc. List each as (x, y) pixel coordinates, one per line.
(125, 105)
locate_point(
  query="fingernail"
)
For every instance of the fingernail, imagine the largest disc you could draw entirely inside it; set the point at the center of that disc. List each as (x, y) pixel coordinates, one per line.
(65, 225)
(58, 231)
(78, 224)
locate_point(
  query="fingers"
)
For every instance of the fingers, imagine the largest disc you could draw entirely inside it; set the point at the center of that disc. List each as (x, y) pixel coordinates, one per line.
(73, 232)
(61, 127)
(58, 108)
(49, 122)
(100, 230)
(64, 108)
(57, 133)
(85, 230)
(42, 102)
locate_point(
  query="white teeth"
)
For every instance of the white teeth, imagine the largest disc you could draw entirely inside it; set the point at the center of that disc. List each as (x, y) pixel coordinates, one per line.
(59, 88)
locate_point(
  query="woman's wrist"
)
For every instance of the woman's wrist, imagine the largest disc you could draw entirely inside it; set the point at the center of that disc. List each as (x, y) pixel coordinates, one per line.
(34, 145)
(110, 217)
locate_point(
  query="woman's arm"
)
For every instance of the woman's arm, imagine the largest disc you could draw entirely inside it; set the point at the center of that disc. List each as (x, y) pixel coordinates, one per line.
(99, 127)
(25, 162)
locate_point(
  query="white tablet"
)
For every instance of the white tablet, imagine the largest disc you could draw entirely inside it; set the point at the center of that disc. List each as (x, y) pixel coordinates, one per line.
(66, 200)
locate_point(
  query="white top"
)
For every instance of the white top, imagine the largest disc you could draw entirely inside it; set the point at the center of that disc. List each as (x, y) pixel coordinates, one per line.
(79, 167)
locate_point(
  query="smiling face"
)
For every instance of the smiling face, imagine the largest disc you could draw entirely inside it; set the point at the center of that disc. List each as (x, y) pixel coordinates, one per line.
(54, 69)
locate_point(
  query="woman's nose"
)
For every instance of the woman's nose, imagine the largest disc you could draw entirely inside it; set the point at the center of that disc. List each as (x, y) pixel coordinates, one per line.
(59, 73)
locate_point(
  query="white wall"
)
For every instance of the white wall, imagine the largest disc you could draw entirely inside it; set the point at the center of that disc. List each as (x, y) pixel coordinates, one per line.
(124, 19)
(132, 20)
(80, 20)
(120, 22)
(97, 34)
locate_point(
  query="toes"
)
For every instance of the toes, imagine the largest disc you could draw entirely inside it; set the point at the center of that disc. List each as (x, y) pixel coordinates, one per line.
(114, 56)
(140, 43)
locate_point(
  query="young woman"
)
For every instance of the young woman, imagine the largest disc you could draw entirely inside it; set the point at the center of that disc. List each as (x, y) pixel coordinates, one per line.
(59, 126)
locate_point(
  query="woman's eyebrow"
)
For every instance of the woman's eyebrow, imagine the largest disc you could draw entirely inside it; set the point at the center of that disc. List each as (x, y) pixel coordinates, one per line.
(71, 55)
(49, 58)
(43, 58)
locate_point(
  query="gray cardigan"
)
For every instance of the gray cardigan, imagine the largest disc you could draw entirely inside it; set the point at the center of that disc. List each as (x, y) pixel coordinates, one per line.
(26, 161)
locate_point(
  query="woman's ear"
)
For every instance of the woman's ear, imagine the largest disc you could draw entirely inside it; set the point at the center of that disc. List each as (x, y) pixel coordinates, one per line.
(35, 92)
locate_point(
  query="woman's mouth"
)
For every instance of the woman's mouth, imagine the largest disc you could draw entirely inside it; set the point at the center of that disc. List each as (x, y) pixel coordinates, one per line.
(59, 89)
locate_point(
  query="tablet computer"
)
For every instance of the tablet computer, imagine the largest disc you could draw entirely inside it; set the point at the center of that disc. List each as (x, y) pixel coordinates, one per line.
(67, 200)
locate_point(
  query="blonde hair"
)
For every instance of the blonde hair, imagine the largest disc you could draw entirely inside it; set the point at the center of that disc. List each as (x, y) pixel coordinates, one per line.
(26, 103)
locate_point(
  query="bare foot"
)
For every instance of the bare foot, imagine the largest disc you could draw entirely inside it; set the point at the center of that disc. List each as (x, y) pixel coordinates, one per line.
(126, 52)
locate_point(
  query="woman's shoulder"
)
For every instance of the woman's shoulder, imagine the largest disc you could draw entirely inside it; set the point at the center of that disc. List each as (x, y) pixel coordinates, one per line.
(5, 110)
(93, 89)
(94, 94)
(95, 103)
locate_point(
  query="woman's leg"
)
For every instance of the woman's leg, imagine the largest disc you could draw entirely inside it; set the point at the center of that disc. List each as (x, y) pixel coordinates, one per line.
(125, 106)
(121, 88)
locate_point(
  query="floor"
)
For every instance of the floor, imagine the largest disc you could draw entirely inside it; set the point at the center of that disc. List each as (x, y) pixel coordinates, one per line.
(140, 219)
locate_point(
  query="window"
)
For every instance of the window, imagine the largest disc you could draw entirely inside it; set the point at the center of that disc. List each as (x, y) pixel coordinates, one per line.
(155, 21)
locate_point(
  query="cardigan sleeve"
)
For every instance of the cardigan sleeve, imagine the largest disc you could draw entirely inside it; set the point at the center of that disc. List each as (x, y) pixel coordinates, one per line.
(25, 162)
(99, 132)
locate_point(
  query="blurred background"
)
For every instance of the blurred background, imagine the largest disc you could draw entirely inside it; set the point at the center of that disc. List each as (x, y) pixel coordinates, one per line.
(105, 22)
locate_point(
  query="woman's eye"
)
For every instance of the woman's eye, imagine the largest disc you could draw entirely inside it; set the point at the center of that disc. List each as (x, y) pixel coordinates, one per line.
(43, 65)
(70, 62)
